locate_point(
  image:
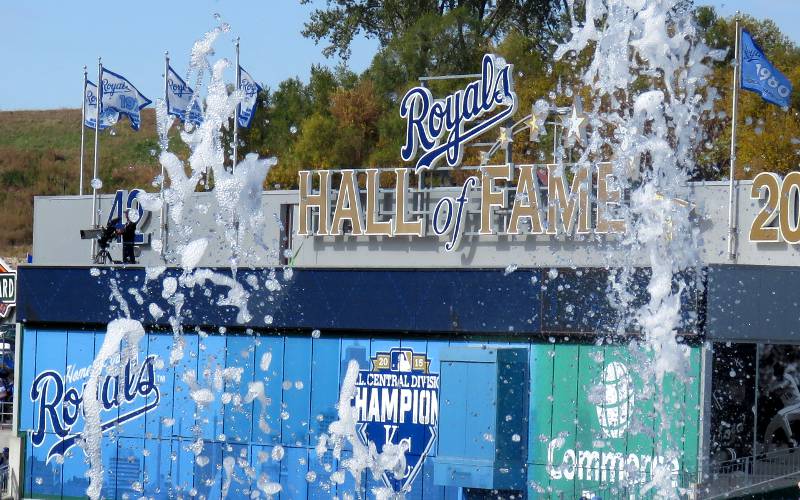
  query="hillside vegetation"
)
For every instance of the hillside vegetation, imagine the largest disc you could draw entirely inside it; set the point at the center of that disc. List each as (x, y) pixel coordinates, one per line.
(40, 155)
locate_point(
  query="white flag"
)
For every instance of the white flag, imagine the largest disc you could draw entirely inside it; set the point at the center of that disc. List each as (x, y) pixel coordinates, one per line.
(120, 95)
(107, 118)
(248, 107)
(180, 99)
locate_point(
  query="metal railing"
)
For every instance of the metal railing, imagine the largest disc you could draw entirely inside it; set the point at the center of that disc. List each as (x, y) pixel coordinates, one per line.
(6, 415)
(741, 473)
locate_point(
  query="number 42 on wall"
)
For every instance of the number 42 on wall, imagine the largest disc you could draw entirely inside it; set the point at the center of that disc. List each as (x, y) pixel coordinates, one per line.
(782, 203)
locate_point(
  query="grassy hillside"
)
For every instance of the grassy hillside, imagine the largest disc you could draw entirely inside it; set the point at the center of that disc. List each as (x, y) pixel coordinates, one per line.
(40, 155)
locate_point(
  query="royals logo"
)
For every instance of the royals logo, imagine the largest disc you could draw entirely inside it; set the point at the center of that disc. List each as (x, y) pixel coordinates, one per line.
(8, 289)
(250, 88)
(59, 407)
(180, 89)
(398, 402)
(111, 88)
(429, 121)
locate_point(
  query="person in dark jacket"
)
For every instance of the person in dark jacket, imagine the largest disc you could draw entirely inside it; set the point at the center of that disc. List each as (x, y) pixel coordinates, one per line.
(129, 236)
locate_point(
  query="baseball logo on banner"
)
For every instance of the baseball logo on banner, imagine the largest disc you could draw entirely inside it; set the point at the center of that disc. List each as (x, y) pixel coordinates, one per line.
(398, 403)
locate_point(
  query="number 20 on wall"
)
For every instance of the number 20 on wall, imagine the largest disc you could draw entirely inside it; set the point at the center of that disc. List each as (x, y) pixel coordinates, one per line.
(782, 203)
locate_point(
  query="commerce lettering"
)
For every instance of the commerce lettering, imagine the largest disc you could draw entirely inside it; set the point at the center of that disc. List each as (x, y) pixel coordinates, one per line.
(605, 466)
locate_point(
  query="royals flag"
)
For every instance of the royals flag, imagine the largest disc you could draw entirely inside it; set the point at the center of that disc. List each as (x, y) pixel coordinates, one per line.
(120, 95)
(180, 99)
(760, 76)
(248, 106)
(107, 118)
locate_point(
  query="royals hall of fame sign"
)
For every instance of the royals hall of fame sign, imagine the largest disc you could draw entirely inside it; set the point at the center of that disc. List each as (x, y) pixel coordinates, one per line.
(397, 401)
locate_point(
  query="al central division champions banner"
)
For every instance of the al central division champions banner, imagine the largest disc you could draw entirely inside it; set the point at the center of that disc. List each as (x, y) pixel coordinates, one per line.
(398, 404)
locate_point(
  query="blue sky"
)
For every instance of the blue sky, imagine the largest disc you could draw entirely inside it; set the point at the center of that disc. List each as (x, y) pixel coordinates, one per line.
(45, 43)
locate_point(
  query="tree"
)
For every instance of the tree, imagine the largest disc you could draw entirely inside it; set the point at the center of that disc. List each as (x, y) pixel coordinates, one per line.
(477, 21)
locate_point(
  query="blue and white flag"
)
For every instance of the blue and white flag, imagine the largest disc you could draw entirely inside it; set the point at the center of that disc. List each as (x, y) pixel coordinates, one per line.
(248, 106)
(121, 96)
(108, 117)
(760, 76)
(180, 99)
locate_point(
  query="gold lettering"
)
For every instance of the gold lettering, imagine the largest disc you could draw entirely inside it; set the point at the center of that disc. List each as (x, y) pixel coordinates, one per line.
(607, 197)
(348, 193)
(374, 226)
(527, 189)
(308, 201)
(403, 226)
(562, 204)
(489, 197)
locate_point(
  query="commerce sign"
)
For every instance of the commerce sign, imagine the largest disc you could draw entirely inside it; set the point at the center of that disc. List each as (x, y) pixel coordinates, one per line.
(397, 403)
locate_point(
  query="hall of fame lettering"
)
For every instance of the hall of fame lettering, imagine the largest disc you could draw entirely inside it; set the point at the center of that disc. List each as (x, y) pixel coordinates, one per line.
(397, 401)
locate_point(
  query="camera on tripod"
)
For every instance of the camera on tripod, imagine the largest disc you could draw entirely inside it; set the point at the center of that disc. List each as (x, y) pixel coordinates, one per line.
(104, 236)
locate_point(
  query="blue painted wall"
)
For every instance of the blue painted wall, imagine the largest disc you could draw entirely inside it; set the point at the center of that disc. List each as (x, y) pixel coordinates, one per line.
(151, 455)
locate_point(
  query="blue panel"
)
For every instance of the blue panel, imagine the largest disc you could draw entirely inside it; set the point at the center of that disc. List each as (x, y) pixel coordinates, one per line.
(239, 417)
(74, 470)
(160, 421)
(349, 485)
(453, 408)
(352, 349)
(28, 372)
(210, 359)
(324, 385)
(183, 465)
(80, 354)
(207, 470)
(297, 391)
(263, 464)
(53, 357)
(434, 350)
(183, 406)
(108, 386)
(240, 485)
(110, 464)
(42, 478)
(398, 300)
(157, 466)
(321, 487)
(293, 480)
(130, 467)
(269, 354)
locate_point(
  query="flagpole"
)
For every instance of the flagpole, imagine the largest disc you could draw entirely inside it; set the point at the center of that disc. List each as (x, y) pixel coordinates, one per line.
(83, 130)
(238, 110)
(163, 221)
(96, 146)
(731, 187)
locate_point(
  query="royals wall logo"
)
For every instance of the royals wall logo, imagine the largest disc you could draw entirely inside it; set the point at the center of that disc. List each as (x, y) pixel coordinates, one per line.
(8, 289)
(124, 396)
(398, 402)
